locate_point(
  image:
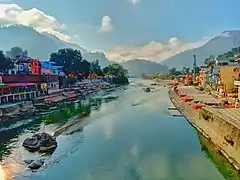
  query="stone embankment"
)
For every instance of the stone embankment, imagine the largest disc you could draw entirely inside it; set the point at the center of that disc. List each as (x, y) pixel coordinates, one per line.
(220, 126)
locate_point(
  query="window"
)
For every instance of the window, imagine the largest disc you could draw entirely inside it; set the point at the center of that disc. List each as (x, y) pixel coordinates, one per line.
(20, 67)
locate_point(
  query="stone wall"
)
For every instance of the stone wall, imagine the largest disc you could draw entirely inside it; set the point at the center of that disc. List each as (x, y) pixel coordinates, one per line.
(224, 135)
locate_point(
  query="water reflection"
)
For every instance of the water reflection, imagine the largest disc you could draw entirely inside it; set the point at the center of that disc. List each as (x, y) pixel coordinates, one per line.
(12, 135)
(122, 142)
(214, 155)
(2, 174)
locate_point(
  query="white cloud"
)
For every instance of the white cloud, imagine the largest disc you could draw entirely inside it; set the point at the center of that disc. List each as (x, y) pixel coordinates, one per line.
(134, 2)
(155, 51)
(12, 14)
(106, 24)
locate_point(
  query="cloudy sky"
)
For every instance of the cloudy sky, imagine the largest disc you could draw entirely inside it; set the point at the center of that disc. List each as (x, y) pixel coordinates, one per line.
(127, 29)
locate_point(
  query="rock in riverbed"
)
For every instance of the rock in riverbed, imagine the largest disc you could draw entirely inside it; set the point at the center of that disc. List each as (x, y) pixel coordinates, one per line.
(28, 161)
(42, 142)
(77, 130)
(147, 90)
(36, 164)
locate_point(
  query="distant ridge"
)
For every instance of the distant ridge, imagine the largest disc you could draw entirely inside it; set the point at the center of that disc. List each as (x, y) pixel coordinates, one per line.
(138, 67)
(41, 45)
(217, 45)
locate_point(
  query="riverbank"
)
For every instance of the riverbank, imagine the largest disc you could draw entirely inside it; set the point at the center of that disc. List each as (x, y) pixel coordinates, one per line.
(61, 123)
(52, 101)
(220, 126)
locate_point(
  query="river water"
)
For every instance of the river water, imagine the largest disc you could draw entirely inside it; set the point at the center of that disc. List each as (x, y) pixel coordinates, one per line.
(132, 137)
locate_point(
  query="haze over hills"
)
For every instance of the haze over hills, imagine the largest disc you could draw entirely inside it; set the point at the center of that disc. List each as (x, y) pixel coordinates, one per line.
(138, 67)
(217, 45)
(41, 45)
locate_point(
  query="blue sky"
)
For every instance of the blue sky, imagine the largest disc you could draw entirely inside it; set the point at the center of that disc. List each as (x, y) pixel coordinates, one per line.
(141, 23)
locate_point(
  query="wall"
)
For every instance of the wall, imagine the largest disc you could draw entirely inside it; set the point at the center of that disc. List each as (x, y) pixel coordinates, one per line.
(227, 76)
(29, 79)
(220, 132)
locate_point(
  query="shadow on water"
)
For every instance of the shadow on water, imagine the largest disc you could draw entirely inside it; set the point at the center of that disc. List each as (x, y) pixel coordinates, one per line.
(215, 156)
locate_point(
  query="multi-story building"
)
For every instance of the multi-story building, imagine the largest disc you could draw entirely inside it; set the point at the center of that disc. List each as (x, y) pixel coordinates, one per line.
(27, 79)
(52, 69)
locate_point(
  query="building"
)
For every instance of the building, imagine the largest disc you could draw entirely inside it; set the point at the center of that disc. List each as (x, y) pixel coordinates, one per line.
(25, 66)
(51, 68)
(29, 79)
(227, 77)
(17, 92)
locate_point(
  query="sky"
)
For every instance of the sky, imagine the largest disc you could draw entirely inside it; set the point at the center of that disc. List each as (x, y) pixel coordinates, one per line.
(127, 29)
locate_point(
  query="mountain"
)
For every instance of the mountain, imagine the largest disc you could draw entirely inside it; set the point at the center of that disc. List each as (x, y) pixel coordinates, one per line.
(137, 67)
(217, 45)
(92, 56)
(41, 45)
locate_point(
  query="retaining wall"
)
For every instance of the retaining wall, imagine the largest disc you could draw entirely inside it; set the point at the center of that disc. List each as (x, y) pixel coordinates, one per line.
(221, 133)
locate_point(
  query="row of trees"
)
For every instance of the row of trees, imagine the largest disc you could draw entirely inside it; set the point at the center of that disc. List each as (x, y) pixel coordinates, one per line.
(6, 59)
(183, 71)
(72, 63)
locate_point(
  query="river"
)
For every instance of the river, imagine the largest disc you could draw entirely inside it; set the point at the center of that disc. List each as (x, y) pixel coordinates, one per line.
(132, 137)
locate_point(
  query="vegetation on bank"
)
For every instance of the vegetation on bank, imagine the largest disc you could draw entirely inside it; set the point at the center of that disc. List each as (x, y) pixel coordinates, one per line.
(118, 71)
(183, 71)
(74, 66)
(220, 162)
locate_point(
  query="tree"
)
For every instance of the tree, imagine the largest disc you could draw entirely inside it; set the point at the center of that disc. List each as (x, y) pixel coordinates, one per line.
(84, 68)
(115, 69)
(228, 54)
(185, 70)
(16, 51)
(172, 71)
(5, 62)
(71, 61)
(197, 70)
(118, 71)
(210, 61)
(95, 68)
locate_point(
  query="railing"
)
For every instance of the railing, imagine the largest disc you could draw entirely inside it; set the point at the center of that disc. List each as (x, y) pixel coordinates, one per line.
(17, 94)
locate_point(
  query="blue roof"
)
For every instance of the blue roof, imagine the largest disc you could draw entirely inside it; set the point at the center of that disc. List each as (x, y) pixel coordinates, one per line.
(50, 65)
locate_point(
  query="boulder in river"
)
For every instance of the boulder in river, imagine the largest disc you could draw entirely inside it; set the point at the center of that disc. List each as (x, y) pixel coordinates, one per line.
(153, 84)
(42, 142)
(36, 164)
(28, 161)
(147, 89)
